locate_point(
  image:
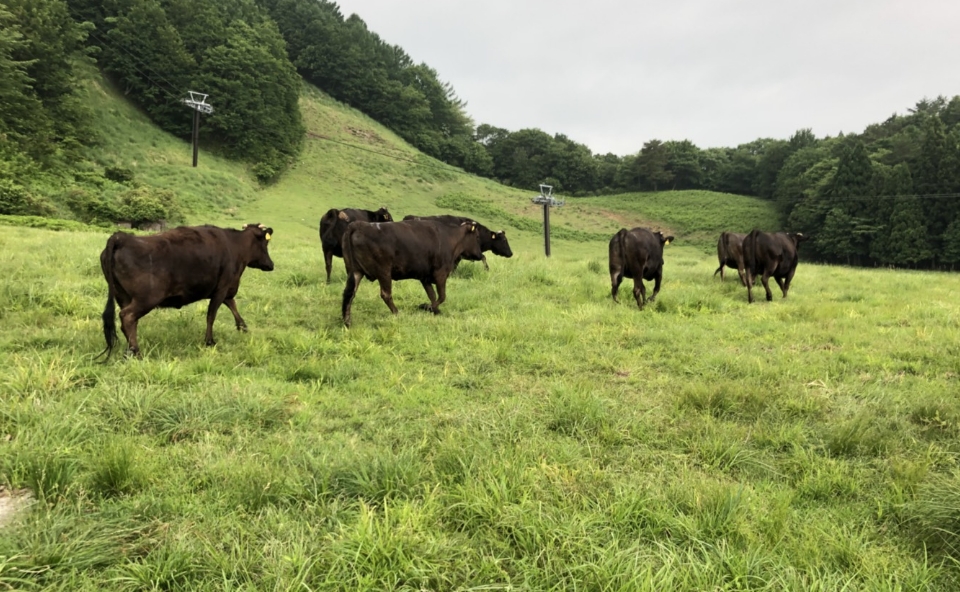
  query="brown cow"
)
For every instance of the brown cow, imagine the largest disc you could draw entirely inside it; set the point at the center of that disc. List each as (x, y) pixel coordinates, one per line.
(425, 250)
(334, 223)
(771, 254)
(637, 254)
(489, 240)
(730, 254)
(176, 268)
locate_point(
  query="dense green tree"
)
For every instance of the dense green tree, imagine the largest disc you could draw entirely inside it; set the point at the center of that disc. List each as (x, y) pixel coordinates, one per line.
(683, 163)
(607, 165)
(908, 234)
(24, 125)
(146, 57)
(257, 90)
(652, 165)
(48, 44)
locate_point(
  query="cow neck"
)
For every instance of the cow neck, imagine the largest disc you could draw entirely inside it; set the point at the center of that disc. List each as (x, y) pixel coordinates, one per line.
(241, 242)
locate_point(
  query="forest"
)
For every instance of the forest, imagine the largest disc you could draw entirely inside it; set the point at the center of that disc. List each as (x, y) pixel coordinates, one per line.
(885, 197)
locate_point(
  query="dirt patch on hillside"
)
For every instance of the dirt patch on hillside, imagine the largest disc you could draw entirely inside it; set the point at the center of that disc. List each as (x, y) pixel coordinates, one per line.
(12, 502)
(632, 221)
(366, 135)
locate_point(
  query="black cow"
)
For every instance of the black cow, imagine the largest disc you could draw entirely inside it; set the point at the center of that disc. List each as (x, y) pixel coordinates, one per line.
(637, 254)
(425, 250)
(771, 254)
(334, 223)
(730, 254)
(489, 240)
(175, 268)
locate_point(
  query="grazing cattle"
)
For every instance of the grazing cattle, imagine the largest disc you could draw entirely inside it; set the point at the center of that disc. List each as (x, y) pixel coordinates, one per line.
(489, 240)
(730, 254)
(335, 222)
(425, 250)
(637, 254)
(175, 268)
(771, 254)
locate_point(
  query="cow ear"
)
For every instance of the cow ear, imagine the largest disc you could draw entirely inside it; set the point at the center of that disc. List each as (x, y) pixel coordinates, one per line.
(343, 216)
(668, 240)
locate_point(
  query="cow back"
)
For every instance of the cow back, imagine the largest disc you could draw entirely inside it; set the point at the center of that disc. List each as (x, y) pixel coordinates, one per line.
(489, 240)
(638, 252)
(764, 249)
(182, 265)
(411, 249)
(334, 223)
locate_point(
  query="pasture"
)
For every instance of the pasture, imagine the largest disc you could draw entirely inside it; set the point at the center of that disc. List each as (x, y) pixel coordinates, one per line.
(534, 436)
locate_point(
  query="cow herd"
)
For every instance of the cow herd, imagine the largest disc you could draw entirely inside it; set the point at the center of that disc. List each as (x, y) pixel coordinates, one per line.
(187, 264)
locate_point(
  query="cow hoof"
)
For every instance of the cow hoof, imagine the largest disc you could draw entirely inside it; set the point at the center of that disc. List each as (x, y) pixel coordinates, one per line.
(210, 343)
(242, 328)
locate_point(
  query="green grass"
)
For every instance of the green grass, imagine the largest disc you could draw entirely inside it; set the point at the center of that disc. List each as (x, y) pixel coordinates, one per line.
(534, 436)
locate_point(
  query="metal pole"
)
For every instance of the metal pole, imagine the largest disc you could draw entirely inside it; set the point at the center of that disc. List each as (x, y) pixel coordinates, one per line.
(196, 135)
(546, 228)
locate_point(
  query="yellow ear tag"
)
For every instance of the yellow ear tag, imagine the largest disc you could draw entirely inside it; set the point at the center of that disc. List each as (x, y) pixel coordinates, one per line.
(267, 236)
(472, 228)
(667, 243)
(493, 236)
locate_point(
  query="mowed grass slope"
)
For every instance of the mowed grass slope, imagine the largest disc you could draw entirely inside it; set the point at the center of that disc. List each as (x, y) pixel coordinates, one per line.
(534, 436)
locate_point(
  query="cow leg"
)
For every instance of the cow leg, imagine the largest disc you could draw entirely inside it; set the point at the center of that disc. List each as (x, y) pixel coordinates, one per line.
(749, 278)
(766, 282)
(215, 303)
(232, 305)
(349, 291)
(720, 271)
(656, 284)
(328, 261)
(484, 259)
(434, 304)
(130, 315)
(386, 293)
(441, 282)
(639, 291)
(786, 282)
(615, 278)
(780, 283)
(742, 274)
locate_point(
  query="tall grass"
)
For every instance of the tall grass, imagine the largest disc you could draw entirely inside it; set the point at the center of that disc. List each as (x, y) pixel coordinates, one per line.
(534, 436)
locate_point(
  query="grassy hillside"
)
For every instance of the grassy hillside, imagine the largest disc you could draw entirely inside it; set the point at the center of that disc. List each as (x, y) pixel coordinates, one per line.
(350, 160)
(534, 436)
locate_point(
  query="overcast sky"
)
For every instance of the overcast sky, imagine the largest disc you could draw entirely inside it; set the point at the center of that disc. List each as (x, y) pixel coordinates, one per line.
(613, 74)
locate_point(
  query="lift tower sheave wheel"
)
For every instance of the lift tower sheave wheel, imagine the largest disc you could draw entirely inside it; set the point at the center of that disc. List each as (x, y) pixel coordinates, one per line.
(546, 199)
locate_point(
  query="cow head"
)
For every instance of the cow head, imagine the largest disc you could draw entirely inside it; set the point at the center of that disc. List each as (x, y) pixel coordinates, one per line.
(797, 238)
(500, 245)
(472, 247)
(383, 215)
(258, 257)
(664, 240)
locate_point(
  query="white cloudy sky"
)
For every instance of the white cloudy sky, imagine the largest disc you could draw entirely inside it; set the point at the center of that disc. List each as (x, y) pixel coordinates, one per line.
(613, 74)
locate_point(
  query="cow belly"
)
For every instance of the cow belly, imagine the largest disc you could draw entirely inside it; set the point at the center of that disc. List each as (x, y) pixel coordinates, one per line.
(174, 302)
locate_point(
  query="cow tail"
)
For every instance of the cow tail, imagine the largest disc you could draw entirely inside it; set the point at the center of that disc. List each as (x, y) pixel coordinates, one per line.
(348, 258)
(110, 310)
(750, 254)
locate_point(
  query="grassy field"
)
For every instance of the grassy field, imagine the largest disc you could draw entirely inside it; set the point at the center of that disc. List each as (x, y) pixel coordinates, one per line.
(534, 436)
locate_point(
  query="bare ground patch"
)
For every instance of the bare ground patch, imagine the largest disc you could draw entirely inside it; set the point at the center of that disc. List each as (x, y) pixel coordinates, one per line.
(12, 502)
